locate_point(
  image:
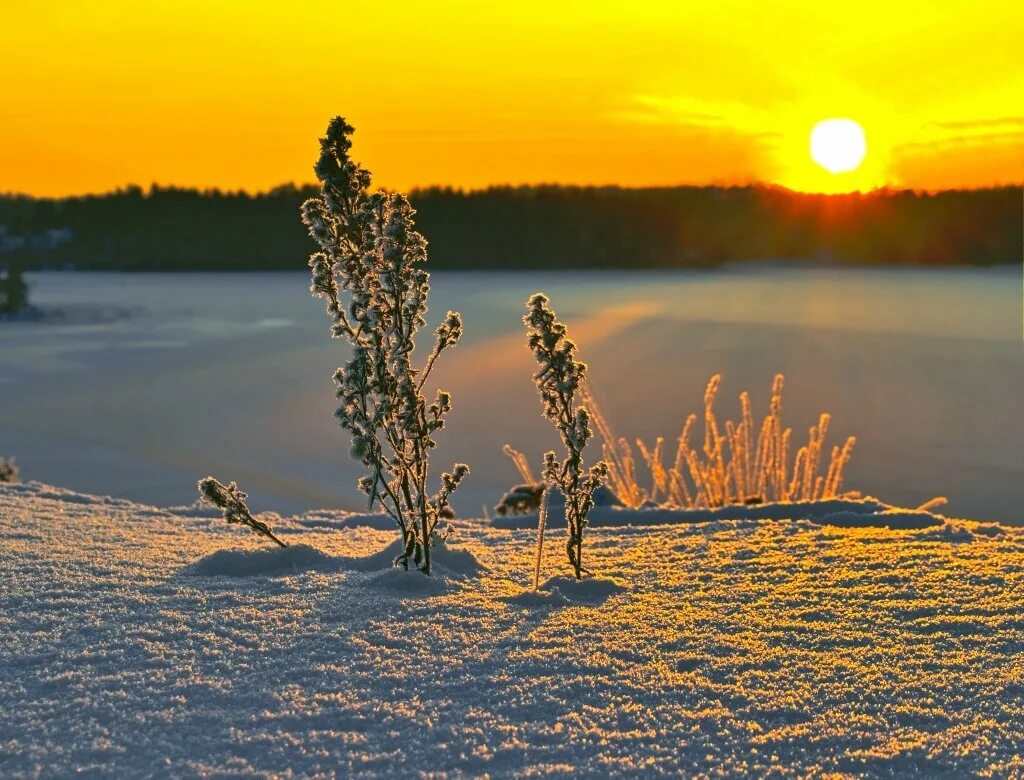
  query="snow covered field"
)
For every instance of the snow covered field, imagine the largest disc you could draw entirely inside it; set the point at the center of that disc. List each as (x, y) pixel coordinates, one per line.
(758, 647)
(146, 382)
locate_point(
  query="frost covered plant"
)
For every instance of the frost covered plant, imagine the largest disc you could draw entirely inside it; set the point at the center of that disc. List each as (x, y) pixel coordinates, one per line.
(738, 462)
(558, 380)
(369, 271)
(231, 501)
(9, 470)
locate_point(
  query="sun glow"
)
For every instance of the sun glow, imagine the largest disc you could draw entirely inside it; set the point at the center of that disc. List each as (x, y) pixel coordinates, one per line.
(221, 94)
(838, 145)
(833, 155)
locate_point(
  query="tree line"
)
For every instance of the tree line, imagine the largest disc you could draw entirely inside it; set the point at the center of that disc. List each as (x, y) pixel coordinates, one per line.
(550, 226)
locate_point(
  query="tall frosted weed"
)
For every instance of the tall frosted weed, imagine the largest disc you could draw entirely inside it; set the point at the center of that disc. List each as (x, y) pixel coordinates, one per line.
(559, 379)
(369, 271)
(735, 463)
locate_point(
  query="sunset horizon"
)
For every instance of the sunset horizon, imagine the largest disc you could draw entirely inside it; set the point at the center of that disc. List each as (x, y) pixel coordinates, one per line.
(147, 189)
(229, 98)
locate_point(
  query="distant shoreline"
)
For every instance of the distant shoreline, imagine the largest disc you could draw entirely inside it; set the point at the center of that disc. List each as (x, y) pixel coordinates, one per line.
(732, 266)
(528, 228)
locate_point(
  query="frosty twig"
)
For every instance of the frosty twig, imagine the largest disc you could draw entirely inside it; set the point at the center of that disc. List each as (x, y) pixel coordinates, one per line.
(231, 501)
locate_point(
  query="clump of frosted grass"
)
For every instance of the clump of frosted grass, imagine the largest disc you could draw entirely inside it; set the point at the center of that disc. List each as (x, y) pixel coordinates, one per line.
(559, 379)
(231, 501)
(9, 471)
(369, 271)
(737, 463)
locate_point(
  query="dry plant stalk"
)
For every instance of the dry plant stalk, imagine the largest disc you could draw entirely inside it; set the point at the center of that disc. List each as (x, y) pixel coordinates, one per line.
(933, 503)
(521, 463)
(542, 521)
(735, 463)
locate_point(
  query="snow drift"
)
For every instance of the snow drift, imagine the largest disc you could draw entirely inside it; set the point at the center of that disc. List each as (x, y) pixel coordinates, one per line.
(735, 647)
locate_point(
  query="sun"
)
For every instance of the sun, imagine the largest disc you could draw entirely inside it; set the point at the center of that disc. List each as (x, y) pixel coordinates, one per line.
(838, 145)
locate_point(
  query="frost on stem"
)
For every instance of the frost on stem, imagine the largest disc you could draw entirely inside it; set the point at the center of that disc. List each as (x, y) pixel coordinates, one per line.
(558, 380)
(368, 270)
(231, 501)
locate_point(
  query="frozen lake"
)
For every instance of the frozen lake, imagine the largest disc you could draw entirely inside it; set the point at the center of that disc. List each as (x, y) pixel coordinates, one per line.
(151, 381)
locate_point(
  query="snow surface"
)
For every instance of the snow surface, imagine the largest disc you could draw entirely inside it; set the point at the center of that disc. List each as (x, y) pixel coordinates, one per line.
(139, 641)
(843, 512)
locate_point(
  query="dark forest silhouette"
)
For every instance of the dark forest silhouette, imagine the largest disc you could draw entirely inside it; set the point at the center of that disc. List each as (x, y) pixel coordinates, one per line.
(13, 291)
(532, 227)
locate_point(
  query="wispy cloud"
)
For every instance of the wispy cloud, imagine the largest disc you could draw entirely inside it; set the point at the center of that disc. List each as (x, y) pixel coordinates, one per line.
(657, 109)
(982, 124)
(938, 143)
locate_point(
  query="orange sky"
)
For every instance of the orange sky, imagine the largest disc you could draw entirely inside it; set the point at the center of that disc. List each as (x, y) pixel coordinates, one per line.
(234, 94)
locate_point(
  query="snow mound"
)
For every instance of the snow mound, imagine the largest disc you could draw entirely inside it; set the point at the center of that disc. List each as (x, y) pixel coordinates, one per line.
(896, 519)
(408, 582)
(328, 518)
(268, 561)
(445, 560)
(563, 590)
(849, 513)
(264, 562)
(448, 565)
(960, 531)
(196, 509)
(40, 490)
(538, 598)
(459, 561)
(591, 591)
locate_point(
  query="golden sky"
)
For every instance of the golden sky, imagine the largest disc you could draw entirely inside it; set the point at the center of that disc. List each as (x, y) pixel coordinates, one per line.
(94, 95)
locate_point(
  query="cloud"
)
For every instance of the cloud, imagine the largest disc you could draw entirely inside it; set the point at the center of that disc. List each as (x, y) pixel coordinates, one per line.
(982, 124)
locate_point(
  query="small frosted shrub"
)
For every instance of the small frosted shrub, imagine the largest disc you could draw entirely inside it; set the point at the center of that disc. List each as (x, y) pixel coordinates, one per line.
(558, 381)
(524, 498)
(9, 470)
(231, 501)
(520, 500)
(737, 463)
(369, 271)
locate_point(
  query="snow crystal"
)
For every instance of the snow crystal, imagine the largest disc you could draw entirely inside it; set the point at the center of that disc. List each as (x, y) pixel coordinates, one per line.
(738, 647)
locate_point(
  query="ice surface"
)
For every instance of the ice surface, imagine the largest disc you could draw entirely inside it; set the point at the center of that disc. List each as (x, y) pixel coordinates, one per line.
(732, 647)
(230, 374)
